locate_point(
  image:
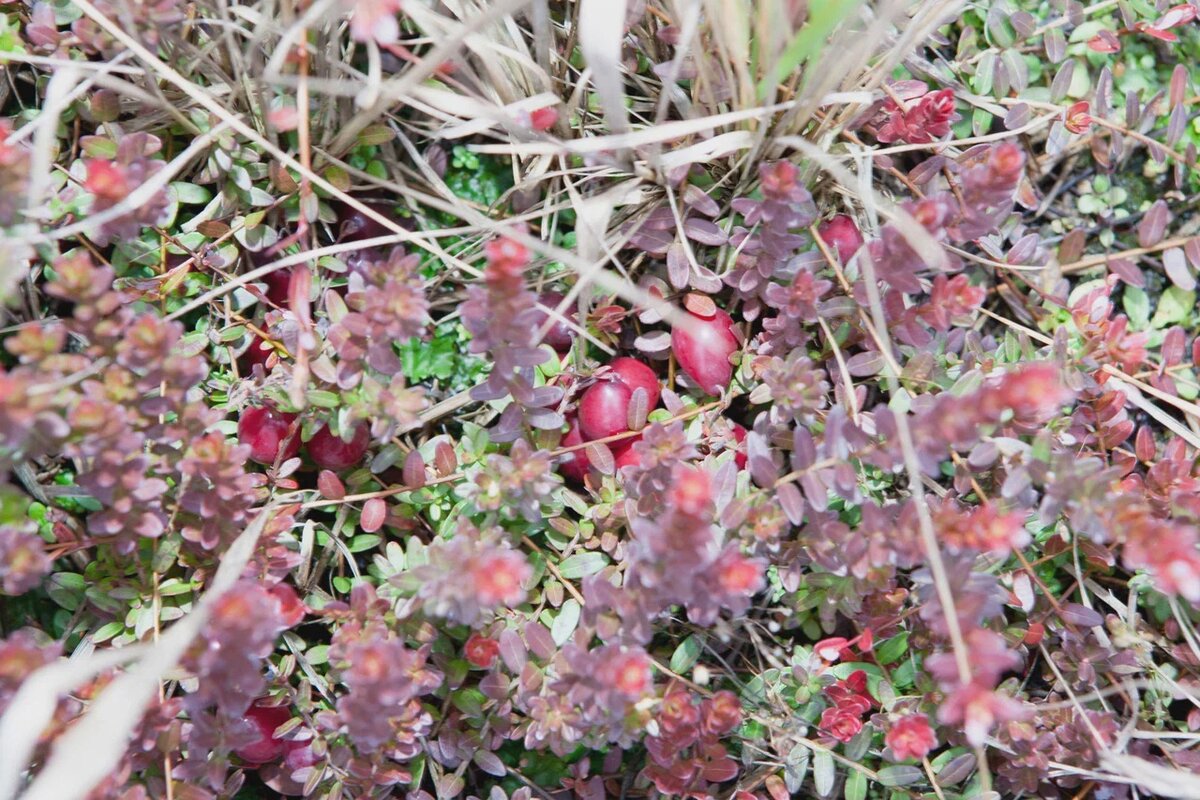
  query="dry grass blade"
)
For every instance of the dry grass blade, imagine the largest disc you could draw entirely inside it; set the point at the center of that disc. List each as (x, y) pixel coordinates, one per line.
(601, 30)
(1156, 779)
(33, 707)
(95, 744)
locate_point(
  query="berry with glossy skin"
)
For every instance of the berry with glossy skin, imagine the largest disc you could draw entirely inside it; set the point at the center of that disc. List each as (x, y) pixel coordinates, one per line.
(265, 430)
(258, 352)
(636, 375)
(842, 234)
(628, 457)
(354, 226)
(279, 284)
(739, 458)
(704, 356)
(574, 466)
(267, 749)
(560, 336)
(543, 119)
(604, 410)
(329, 451)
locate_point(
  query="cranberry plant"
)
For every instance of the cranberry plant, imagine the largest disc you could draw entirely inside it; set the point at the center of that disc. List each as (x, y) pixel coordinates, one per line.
(598, 400)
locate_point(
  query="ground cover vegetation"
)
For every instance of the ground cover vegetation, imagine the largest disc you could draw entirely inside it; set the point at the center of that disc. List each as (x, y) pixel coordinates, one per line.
(656, 398)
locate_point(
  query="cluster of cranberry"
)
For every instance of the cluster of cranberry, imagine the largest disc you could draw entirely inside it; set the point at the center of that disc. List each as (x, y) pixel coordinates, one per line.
(702, 349)
(274, 436)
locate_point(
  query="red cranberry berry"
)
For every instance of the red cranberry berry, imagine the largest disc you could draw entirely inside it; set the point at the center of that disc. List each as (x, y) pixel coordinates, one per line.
(331, 452)
(628, 457)
(267, 748)
(704, 356)
(265, 430)
(258, 352)
(560, 336)
(842, 234)
(354, 225)
(739, 458)
(636, 375)
(574, 466)
(279, 284)
(604, 409)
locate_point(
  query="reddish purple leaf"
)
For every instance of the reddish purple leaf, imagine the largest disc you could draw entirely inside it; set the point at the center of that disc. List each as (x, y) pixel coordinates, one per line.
(490, 763)
(512, 650)
(704, 232)
(330, 485)
(373, 514)
(1055, 44)
(1127, 271)
(1177, 125)
(1176, 266)
(414, 469)
(1192, 251)
(1017, 116)
(1081, 615)
(538, 637)
(791, 501)
(639, 407)
(444, 459)
(1143, 446)
(1154, 225)
(679, 271)
(864, 365)
(1105, 42)
(1062, 81)
(695, 199)
(1173, 345)
(1072, 245)
(1179, 85)
(600, 457)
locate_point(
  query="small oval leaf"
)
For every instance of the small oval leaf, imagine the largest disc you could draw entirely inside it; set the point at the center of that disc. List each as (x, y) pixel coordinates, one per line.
(373, 514)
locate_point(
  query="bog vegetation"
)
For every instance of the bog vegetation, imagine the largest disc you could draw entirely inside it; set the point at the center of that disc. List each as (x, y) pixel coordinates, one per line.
(612, 398)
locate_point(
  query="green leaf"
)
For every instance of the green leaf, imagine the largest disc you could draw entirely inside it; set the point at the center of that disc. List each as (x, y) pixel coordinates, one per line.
(99, 147)
(232, 334)
(189, 194)
(892, 649)
(108, 631)
(469, 701)
(981, 121)
(904, 675)
(856, 786)
(66, 589)
(1137, 307)
(323, 399)
(259, 197)
(364, 541)
(823, 772)
(582, 565)
(900, 775)
(809, 42)
(566, 622)
(1174, 307)
(375, 134)
(687, 653)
